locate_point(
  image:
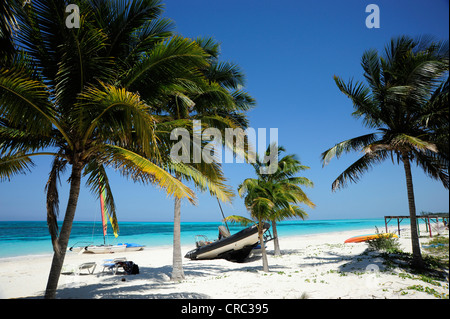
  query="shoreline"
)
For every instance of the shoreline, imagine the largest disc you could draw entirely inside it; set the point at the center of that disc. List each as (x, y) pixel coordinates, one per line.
(311, 266)
(320, 232)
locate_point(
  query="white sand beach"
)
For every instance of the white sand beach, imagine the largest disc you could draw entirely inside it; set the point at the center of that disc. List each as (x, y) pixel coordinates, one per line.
(311, 266)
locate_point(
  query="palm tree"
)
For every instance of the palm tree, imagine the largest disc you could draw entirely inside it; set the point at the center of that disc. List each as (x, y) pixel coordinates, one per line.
(85, 97)
(285, 183)
(406, 102)
(219, 102)
(274, 197)
(259, 208)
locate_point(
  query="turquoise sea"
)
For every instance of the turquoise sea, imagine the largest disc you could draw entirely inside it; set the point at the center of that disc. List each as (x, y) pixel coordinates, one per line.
(32, 237)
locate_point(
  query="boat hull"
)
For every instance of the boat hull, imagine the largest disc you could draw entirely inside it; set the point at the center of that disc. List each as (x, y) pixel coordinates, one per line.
(133, 247)
(363, 238)
(234, 248)
(104, 249)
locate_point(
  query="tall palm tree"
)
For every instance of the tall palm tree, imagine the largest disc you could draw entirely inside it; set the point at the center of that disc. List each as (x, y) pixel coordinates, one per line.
(84, 96)
(406, 102)
(219, 102)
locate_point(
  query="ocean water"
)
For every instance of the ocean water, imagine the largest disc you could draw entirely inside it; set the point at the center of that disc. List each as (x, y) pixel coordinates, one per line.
(32, 238)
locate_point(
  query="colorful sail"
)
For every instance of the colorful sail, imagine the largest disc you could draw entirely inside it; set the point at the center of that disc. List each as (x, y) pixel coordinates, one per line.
(106, 216)
(103, 212)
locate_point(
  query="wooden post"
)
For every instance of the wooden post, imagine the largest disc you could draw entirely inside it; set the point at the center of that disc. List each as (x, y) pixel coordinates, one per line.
(385, 224)
(429, 226)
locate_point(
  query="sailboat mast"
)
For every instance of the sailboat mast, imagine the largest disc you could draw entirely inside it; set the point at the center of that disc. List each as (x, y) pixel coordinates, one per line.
(226, 224)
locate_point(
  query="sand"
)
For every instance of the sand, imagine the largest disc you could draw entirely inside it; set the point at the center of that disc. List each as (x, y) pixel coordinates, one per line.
(311, 266)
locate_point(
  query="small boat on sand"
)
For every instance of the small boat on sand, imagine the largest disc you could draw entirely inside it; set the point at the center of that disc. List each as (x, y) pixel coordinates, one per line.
(106, 249)
(362, 238)
(235, 247)
(133, 246)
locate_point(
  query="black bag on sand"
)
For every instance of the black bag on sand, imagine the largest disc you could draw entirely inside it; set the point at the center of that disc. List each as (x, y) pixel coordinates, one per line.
(130, 268)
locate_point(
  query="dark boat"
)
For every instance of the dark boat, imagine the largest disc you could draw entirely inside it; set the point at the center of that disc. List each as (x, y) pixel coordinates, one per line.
(235, 247)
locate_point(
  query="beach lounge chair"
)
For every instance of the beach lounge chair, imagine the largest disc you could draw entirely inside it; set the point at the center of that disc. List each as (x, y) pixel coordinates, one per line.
(129, 267)
(113, 264)
(89, 267)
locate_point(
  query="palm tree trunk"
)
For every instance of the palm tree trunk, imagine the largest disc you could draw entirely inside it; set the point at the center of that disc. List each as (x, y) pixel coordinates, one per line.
(276, 243)
(263, 247)
(177, 267)
(60, 247)
(417, 256)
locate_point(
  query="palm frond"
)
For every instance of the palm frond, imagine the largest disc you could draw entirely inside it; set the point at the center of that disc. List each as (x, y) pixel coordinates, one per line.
(247, 186)
(435, 113)
(372, 69)
(434, 165)
(16, 140)
(145, 37)
(122, 20)
(235, 219)
(362, 101)
(226, 74)
(24, 102)
(168, 61)
(210, 45)
(51, 189)
(8, 28)
(355, 171)
(114, 114)
(205, 177)
(11, 165)
(295, 194)
(141, 169)
(353, 144)
(290, 212)
(413, 142)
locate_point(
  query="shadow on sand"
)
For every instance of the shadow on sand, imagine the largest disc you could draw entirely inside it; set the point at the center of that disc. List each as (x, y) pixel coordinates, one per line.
(140, 286)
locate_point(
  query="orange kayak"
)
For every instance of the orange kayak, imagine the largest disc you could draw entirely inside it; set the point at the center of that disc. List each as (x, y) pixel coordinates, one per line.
(361, 238)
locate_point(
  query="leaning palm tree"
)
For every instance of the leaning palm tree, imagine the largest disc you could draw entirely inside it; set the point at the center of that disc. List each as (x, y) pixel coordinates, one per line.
(78, 96)
(406, 102)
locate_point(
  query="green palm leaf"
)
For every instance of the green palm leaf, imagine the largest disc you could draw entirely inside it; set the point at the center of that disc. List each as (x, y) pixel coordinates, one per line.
(13, 165)
(235, 219)
(141, 169)
(24, 102)
(353, 144)
(167, 60)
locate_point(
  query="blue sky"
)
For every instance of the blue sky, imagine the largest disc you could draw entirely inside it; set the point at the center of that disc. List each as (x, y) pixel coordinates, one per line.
(289, 51)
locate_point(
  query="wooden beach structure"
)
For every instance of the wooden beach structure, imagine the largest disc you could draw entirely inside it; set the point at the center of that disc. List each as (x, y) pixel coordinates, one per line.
(427, 218)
